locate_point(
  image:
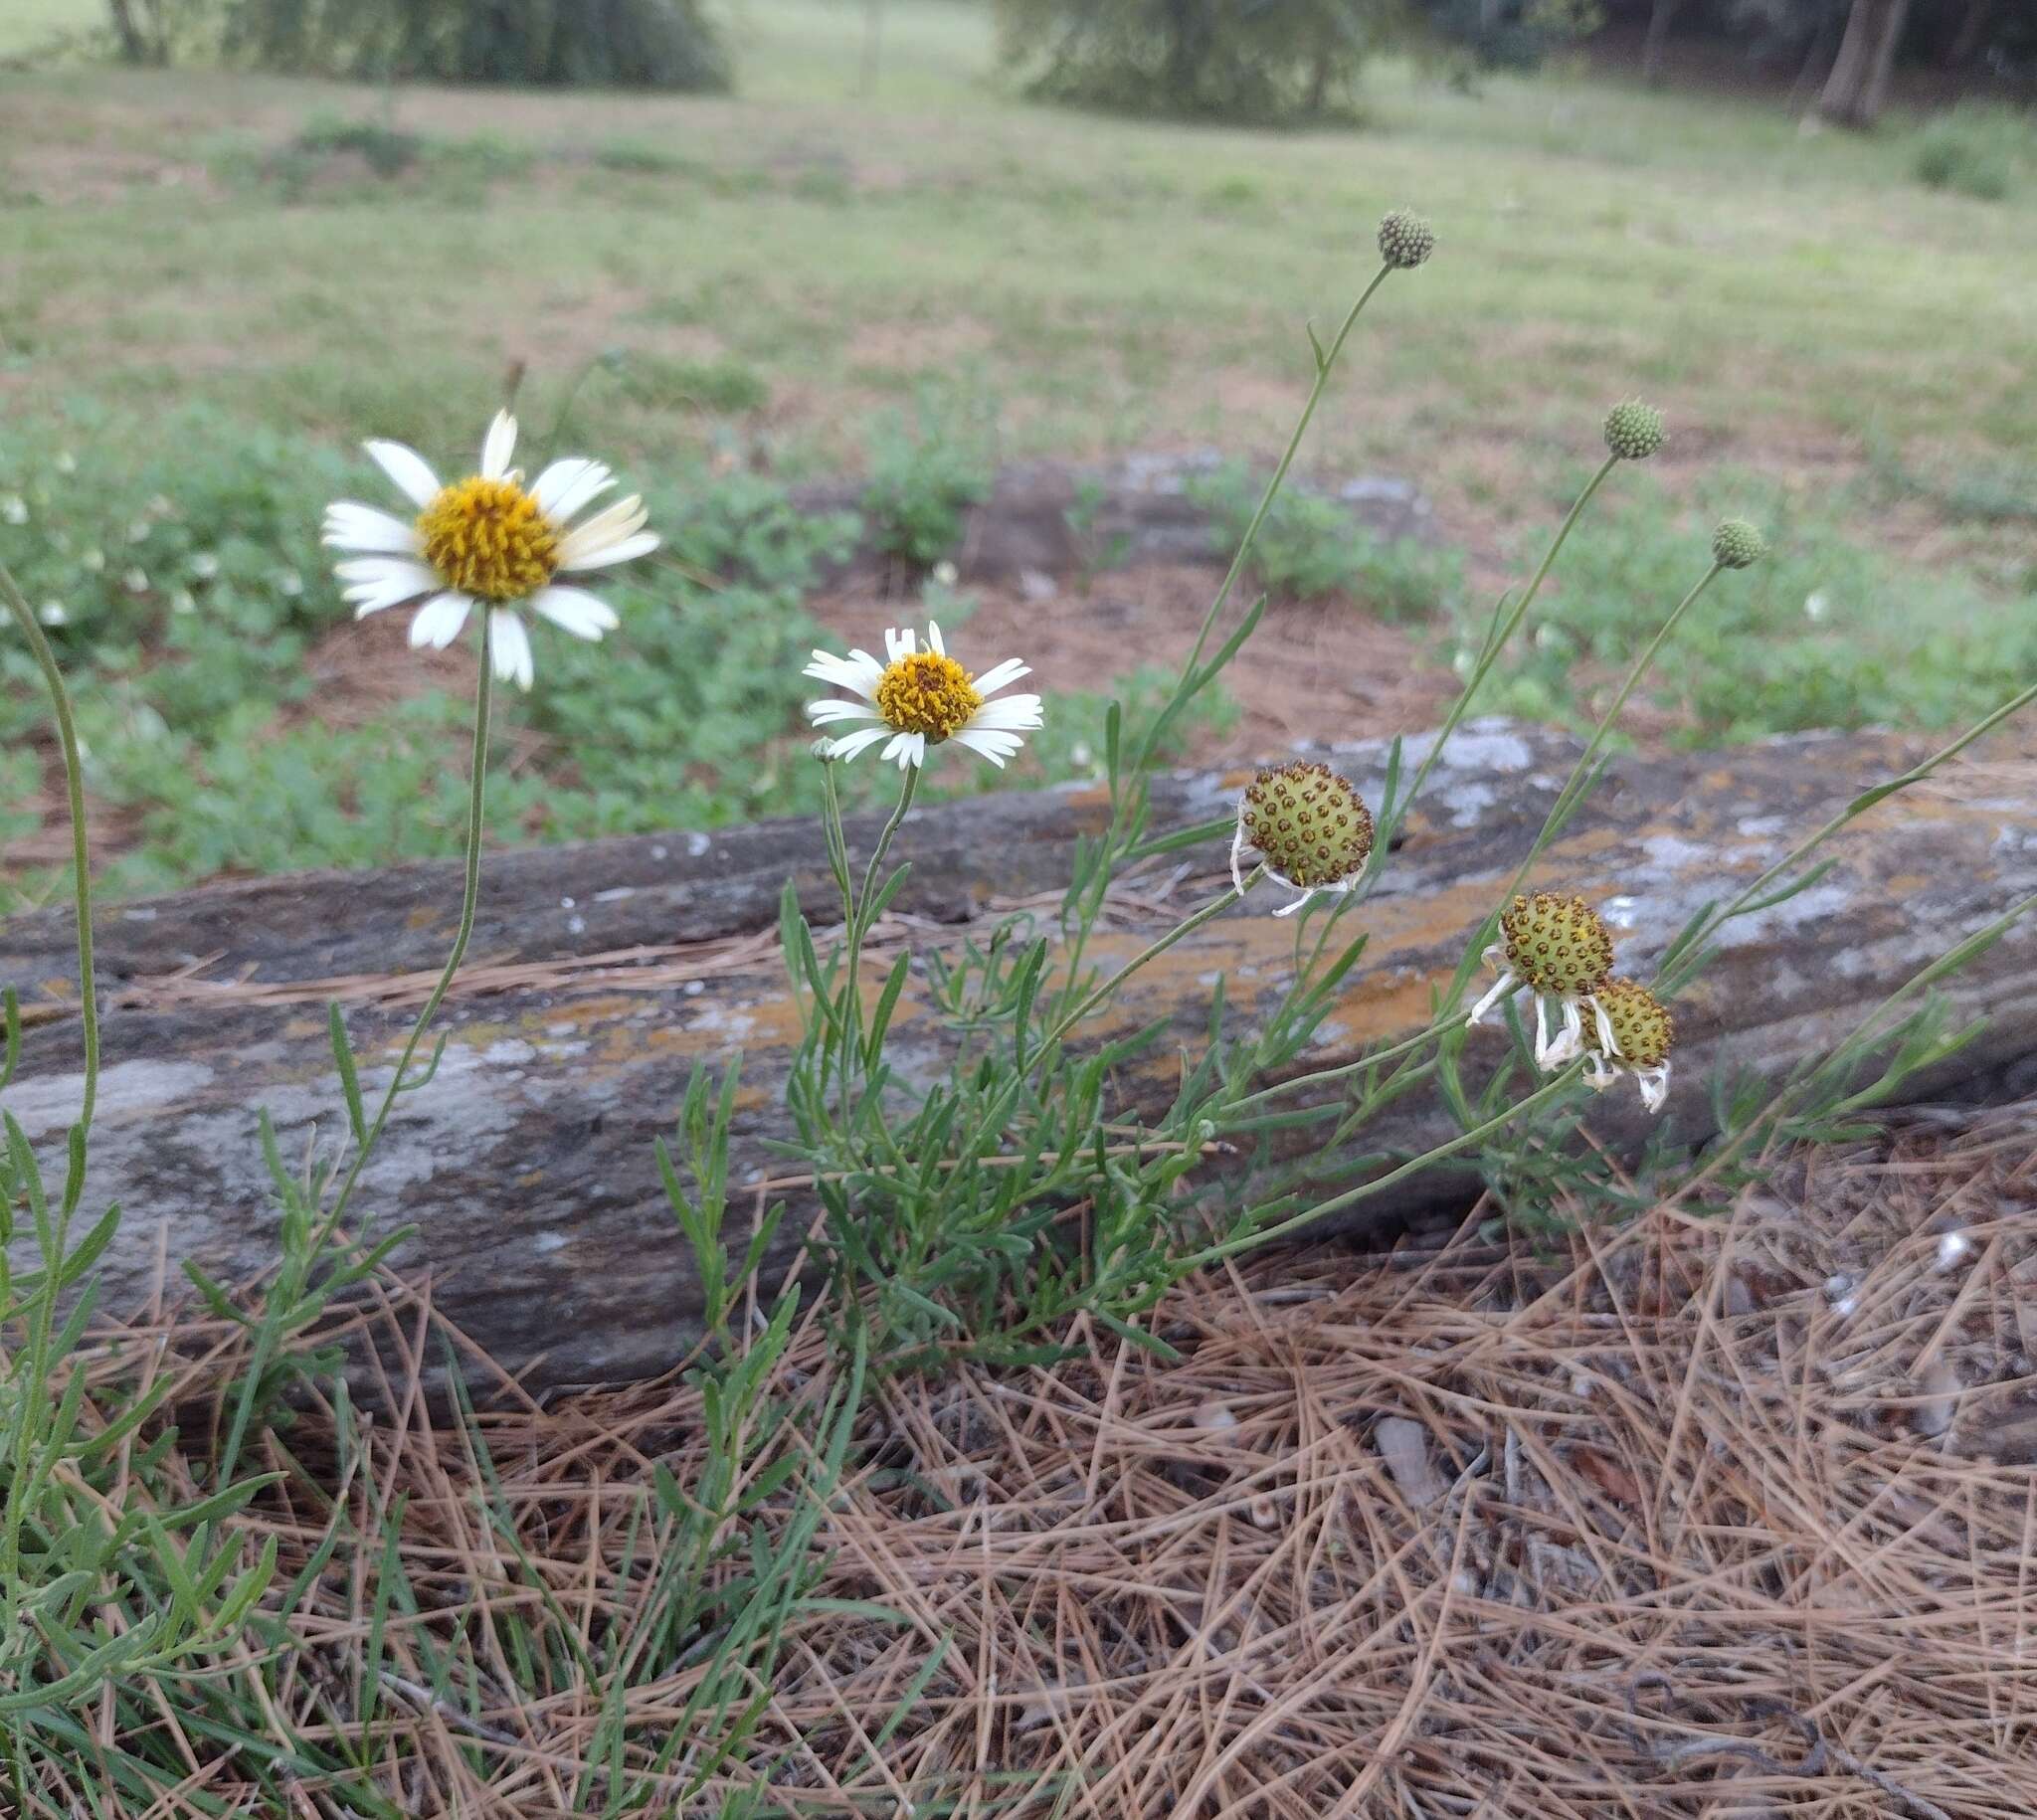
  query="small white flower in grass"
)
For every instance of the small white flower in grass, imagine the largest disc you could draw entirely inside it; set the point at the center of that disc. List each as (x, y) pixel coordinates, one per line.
(51, 612)
(921, 698)
(1560, 948)
(14, 509)
(488, 540)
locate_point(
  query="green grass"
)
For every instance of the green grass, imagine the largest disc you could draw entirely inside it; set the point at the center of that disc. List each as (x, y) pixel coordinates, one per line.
(778, 277)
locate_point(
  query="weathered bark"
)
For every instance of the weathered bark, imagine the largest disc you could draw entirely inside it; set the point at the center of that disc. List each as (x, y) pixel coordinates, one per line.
(1858, 87)
(602, 973)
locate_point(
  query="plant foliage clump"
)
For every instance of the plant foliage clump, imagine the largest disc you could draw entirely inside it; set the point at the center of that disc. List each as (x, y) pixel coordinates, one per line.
(1232, 60)
(637, 44)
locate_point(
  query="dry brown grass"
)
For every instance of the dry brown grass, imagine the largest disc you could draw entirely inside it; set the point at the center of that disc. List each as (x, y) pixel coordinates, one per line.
(1727, 1516)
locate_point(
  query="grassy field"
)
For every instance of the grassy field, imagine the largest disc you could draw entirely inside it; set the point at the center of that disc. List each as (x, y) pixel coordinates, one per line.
(203, 263)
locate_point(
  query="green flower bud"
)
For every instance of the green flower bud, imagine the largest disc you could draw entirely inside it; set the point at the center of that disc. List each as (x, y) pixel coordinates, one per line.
(1634, 431)
(1556, 946)
(1307, 823)
(1405, 239)
(1736, 544)
(1641, 1025)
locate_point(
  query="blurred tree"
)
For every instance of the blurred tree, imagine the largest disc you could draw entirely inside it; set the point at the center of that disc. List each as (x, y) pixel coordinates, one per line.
(652, 44)
(1243, 60)
(1858, 87)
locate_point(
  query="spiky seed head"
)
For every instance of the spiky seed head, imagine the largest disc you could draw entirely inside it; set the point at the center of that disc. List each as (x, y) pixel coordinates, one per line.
(1405, 239)
(1736, 544)
(1634, 431)
(1558, 946)
(1641, 1024)
(1308, 823)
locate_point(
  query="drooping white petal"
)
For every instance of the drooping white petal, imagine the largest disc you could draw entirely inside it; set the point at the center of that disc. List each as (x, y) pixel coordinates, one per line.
(574, 609)
(1606, 1040)
(438, 620)
(1008, 671)
(827, 713)
(1503, 985)
(626, 551)
(349, 526)
(511, 646)
(1296, 904)
(850, 744)
(1237, 847)
(612, 525)
(409, 469)
(1654, 1084)
(499, 446)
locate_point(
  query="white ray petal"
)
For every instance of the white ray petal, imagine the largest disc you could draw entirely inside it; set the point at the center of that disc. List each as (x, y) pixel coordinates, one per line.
(983, 743)
(394, 583)
(1502, 987)
(438, 620)
(934, 644)
(574, 609)
(568, 484)
(499, 446)
(898, 643)
(858, 672)
(1237, 847)
(1654, 1084)
(1008, 671)
(511, 647)
(409, 469)
(827, 713)
(612, 525)
(850, 744)
(349, 526)
(1294, 904)
(626, 551)
(1014, 714)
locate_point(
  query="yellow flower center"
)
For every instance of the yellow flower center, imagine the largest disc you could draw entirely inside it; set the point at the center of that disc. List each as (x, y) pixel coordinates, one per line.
(927, 694)
(487, 538)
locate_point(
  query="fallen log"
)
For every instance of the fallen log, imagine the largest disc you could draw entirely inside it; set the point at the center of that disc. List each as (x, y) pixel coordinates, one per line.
(600, 974)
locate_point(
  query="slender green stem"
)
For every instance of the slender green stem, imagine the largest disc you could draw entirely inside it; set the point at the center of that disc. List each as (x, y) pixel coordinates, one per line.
(1216, 907)
(1490, 655)
(80, 859)
(297, 1274)
(1244, 1241)
(858, 927)
(1690, 956)
(476, 803)
(1326, 361)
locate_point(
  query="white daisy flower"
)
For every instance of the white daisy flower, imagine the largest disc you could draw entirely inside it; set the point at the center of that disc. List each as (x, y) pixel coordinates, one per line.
(488, 539)
(1561, 949)
(919, 698)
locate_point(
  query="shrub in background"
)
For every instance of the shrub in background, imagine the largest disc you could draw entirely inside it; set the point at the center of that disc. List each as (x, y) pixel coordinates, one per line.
(1978, 149)
(638, 44)
(1234, 60)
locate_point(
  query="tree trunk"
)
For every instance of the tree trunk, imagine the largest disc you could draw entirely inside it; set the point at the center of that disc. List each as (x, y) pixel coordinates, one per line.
(600, 975)
(134, 42)
(1858, 87)
(1659, 21)
(1979, 15)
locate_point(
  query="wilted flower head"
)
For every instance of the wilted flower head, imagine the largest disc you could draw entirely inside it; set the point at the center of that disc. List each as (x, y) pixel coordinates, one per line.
(1560, 948)
(1632, 1034)
(1634, 431)
(489, 539)
(921, 698)
(1309, 825)
(1736, 544)
(1405, 239)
